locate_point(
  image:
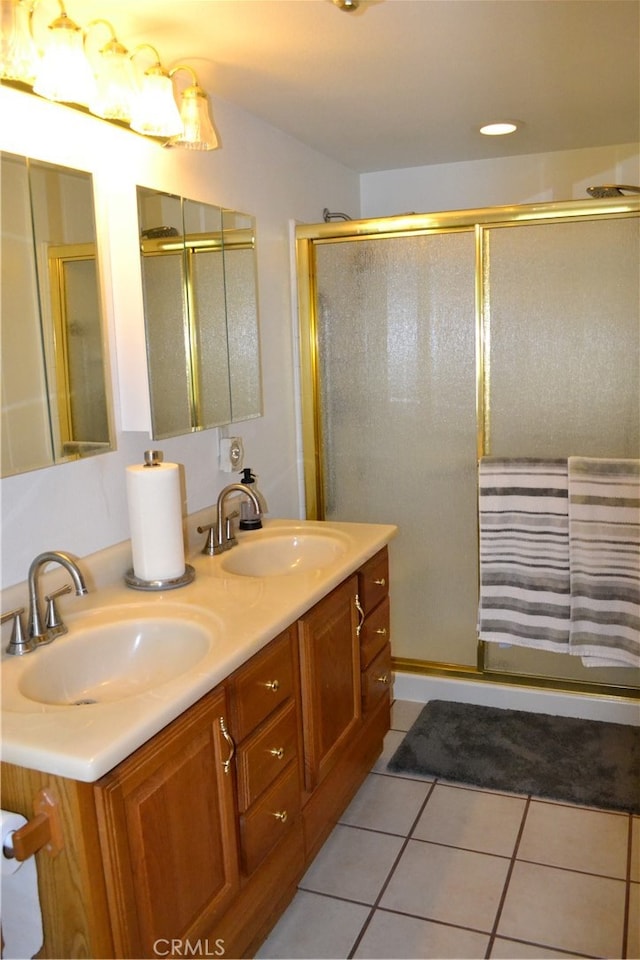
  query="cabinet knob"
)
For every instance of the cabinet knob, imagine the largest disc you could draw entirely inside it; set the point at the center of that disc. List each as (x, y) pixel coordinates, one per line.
(381, 582)
(281, 815)
(273, 685)
(384, 678)
(277, 752)
(382, 631)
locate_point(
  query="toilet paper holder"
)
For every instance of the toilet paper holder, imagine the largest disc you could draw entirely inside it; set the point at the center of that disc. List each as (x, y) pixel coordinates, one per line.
(43, 832)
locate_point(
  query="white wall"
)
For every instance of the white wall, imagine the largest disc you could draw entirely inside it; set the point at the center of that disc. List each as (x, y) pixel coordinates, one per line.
(81, 507)
(534, 178)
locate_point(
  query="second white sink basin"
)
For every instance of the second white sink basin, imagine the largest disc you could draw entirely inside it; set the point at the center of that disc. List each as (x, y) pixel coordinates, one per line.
(111, 661)
(282, 554)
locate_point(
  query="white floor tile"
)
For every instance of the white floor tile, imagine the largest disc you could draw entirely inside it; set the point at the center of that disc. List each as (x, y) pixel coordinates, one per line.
(449, 885)
(314, 926)
(471, 819)
(512, 950)
(397, 937)
(577, 838)
(389, 804)
(404, 713)
(353, 864)
(565, 910)
(633, 932)
(635, 849)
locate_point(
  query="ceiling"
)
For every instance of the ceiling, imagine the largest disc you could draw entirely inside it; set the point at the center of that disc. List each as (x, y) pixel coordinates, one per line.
(403, 83)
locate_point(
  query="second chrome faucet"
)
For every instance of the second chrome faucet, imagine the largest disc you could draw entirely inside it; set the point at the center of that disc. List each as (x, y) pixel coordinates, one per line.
(221, 536)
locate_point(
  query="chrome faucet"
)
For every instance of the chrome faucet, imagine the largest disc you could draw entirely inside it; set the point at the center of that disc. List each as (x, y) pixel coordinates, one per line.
(37, 631)
(225, 538)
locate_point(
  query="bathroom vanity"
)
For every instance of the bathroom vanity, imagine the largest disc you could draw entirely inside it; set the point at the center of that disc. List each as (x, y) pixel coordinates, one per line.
(202, 831)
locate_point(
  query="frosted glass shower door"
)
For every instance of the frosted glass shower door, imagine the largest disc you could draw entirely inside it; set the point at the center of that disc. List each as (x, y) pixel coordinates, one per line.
(397, 358)
(564, 312)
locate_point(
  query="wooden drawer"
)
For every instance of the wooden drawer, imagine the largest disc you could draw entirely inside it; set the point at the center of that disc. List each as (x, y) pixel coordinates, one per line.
(377, 679)
(270, 818)
(263, 757)
(374, 633)
(263, 684)
(373, 581)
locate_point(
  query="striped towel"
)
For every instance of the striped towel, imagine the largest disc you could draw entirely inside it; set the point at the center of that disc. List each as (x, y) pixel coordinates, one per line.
(524, 553)
(604, 548)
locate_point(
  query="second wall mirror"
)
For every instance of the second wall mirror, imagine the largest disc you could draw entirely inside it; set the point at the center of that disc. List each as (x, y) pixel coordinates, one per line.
(201, 315)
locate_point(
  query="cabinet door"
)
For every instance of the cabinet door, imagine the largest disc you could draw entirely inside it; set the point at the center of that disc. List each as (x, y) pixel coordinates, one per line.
(168, 833)
(330, 674)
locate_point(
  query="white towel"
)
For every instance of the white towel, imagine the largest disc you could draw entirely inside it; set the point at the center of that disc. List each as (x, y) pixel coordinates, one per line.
(604, 545)
(524, 553)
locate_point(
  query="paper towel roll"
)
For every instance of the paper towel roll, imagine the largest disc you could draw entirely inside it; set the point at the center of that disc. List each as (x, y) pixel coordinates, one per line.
(155, 521)
(21, 914)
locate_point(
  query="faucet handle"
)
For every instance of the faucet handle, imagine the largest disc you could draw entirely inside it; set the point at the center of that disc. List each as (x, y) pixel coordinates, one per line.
(52, 620)
(229, 538)
(211, 546)
(18, 644)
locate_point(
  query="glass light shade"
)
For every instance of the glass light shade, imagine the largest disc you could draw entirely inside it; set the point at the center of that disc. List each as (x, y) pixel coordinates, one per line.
(64, 73)
(197, 129)
(154, 112)
(115, 87)
(18, 54)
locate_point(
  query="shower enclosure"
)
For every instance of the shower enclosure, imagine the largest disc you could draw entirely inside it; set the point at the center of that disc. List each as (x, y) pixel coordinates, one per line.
(430, 341)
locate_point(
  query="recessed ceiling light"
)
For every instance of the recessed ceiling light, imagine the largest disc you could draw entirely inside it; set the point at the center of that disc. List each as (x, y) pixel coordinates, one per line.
(498, 129)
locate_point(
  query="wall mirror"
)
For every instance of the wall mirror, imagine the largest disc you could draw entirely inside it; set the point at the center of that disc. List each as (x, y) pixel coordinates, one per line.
(55, 406)
(201, 316)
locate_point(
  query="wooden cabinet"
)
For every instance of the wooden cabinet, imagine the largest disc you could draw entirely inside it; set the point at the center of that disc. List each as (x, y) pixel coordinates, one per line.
(375, 631)
(201, 836)
(265, 725)
(168, 833)
(330, 678)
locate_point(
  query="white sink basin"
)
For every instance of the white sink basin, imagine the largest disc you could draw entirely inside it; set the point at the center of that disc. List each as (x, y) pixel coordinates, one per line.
(282, 554)
(110, 661)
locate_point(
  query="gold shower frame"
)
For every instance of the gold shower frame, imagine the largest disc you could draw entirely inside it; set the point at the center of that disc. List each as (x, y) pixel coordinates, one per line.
(479, 221)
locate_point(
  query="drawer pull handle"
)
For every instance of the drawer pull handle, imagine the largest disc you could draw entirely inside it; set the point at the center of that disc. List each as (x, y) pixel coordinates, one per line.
(381, 582)
(382, 631)
(277, 752)
(360, 614)
(273, 685)
(226, 764)
(281, 815)
(384, 678)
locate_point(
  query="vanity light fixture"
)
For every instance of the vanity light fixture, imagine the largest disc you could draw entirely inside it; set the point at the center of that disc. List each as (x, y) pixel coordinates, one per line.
(197, 129)
(18, 53)
(63, 72)
(115, 86)
(498, 129)
(107, 81)
(154, 111)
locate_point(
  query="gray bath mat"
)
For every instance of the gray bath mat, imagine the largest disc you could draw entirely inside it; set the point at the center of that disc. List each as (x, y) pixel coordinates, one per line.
(562, 758)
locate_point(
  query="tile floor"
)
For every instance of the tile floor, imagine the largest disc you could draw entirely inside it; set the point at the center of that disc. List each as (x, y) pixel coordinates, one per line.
(420, 868)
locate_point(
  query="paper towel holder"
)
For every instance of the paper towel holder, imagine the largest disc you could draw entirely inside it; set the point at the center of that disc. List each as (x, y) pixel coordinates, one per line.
(44, 832)
(170, 583)
(153, 458)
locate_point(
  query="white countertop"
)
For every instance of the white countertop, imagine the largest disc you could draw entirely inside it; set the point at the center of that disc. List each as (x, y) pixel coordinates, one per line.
(242, 613)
